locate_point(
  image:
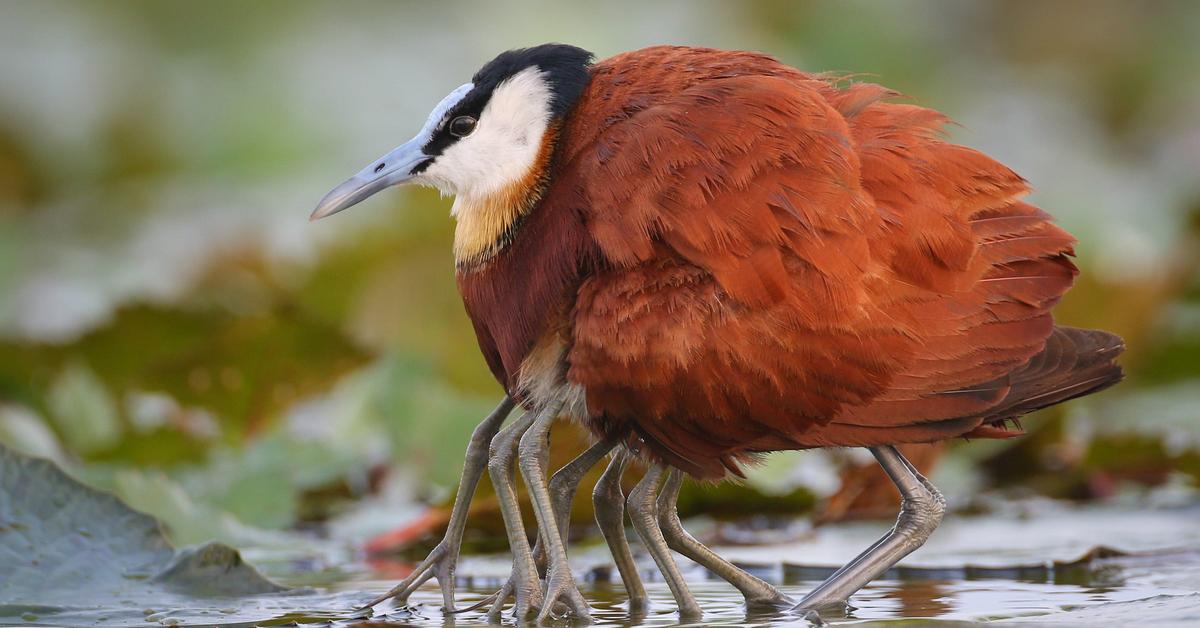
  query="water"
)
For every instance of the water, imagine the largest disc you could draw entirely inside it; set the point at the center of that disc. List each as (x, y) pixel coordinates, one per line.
(1032, 562)
(1158, 589)
(1039, 563)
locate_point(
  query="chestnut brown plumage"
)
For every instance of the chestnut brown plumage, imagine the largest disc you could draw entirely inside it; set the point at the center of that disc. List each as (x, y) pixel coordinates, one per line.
(743, 258)
(708, 255)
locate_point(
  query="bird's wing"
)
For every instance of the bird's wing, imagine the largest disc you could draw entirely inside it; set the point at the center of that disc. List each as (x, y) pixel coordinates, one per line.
(779, 256)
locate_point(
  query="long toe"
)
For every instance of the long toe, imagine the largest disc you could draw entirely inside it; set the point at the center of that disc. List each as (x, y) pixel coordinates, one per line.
(431, 566)
(770, 602)
(497, 609)
(529, 601)
(562, 588)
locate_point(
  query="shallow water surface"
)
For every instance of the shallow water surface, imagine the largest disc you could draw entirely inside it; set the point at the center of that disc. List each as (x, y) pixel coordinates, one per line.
(1039, 563)
(1127, 587)
(1045, 564)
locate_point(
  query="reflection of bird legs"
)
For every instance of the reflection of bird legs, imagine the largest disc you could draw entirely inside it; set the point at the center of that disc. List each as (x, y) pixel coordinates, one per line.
(443, 560)
(758, 594)
(921, 509)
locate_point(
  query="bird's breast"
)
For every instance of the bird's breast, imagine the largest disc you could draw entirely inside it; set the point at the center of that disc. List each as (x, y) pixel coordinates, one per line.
(519, 299)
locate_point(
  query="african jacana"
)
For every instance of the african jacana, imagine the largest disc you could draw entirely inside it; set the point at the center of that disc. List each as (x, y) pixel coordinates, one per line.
(706, 255)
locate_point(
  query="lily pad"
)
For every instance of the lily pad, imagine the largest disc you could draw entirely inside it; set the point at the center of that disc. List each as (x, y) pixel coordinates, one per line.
(70, 555)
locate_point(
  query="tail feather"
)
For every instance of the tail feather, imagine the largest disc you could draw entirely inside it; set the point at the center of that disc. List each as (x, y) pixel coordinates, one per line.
(1075, 362)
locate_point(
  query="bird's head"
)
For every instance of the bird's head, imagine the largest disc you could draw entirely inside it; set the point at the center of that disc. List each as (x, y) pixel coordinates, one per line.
(487, 143)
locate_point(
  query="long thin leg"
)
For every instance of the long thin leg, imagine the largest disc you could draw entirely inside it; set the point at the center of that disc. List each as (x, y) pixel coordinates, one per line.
(565, 483)
(609, 503)
(563, 486)
(643, 512)
(503, 451)
(921, 510)
(560, 583)
(937, 495)
(758, 594)
(883, 539)
(443, 560)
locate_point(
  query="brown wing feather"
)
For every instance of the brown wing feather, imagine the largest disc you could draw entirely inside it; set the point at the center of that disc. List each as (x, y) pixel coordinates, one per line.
(786, 264)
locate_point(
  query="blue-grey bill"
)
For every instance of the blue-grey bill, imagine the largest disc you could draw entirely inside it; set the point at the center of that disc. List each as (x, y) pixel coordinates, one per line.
(393, 168)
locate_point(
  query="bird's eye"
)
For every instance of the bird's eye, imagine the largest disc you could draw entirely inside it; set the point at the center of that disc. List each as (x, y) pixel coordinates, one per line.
(462, 126)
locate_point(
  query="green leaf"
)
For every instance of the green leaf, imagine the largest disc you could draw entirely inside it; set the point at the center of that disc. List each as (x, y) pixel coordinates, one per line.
(83, 410)
(222, 375)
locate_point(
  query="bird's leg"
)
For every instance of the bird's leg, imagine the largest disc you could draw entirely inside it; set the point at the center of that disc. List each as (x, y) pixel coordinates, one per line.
(609, 503)
(563, 486)
(534, 457)
(443, 560)
(937, 495)
(921, 510)
(758, 594)
(643, 512)
(503, 451)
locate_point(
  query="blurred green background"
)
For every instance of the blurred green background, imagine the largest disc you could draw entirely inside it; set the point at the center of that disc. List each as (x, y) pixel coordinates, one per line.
(173, 328)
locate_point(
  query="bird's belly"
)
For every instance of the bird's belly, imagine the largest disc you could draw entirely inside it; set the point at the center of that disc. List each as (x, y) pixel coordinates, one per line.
(543, 377)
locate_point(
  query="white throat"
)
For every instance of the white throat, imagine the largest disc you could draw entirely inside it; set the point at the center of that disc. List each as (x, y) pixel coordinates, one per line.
(492, 171)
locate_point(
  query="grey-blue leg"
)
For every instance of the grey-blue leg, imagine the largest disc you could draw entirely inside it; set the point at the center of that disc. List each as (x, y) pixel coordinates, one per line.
(609, 503)
(534, 458)
(503, 453)
(443, 560)
(643, 512)
(758, 594)
(921, 510)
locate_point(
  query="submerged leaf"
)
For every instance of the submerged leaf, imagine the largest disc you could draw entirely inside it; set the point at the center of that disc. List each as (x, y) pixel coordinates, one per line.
(68, 553)
(213, 569)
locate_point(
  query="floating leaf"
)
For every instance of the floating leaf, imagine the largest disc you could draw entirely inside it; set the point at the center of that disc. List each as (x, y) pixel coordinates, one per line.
(70, 555)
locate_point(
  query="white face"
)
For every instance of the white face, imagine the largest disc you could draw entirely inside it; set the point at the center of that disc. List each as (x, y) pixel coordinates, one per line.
(499, 151)
(503, 147)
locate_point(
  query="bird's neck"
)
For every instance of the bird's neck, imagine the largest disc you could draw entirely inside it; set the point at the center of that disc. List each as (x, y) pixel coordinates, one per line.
(487, 222)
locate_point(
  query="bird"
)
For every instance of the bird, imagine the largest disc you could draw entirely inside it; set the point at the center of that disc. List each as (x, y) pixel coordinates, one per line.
(705, 256)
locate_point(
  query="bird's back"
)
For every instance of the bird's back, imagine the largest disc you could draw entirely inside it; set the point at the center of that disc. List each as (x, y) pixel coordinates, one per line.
(784, 261)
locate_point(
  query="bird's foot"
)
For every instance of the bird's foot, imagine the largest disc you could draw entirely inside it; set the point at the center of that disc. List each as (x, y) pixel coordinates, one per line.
(811, 616)
(528, 594)
(563, 596)
(498, 600)
(772, 600)
(441, 564)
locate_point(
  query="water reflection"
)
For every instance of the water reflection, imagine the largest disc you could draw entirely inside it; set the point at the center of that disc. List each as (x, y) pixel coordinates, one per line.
(921, 598)
(1097, 587)
(1149, 588)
